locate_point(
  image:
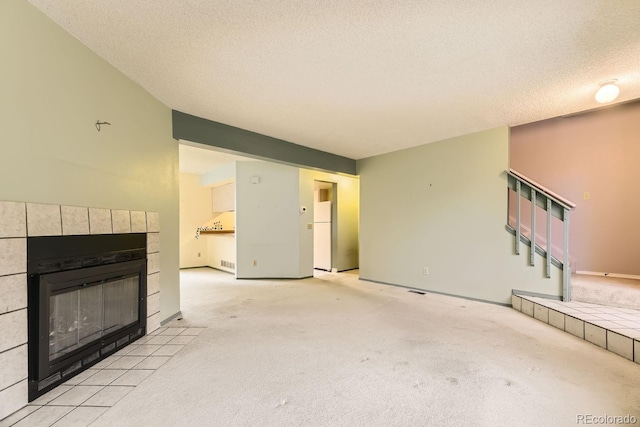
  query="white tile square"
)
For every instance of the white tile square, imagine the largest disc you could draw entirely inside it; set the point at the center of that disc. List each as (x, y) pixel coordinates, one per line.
(607, 316)
(13, 219)
(76, 395)
(51, 395)
(153, 222)
(628, 332)
(125, 362)
(81, 377)
(172, 331)
(182, 339)
(104, 377)
(126, 350)
(153, 323)
(138, 222)
(556, 319)
(628, 323)
(160, 339)
(17, 416)
(541, 313)
(145, 350)
(13, 366)
(586, 316)
(13, 292)
(595, 334)
(153, 242)
(106, 362)
(43, 220)
(627, 316)
(133, 377)
(153, 283)
(574, 326)
(620, 345)
(121, 221)
(13, 398)
(152, 362)
(168, 350)
(143, 340)
(516, 302)
(108, 396)
(607, 324)
(81, 416)
(153, 304)
(157, 331)
(636, 351)
(527, 307)
(629, 311)
(13, 256)
(193, 331)
(13, 329)
(75, 220)
(100, 221)
(44, 416)
(153, 263)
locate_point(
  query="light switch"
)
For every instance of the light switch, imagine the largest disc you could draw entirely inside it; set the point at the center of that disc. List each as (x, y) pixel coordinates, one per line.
(586, 195)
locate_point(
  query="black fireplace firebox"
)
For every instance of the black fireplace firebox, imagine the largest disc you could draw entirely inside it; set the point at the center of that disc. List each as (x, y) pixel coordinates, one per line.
(86, 300)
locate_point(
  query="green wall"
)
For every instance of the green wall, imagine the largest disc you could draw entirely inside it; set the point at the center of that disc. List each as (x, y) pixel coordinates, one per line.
(444, 206)
(53, 89)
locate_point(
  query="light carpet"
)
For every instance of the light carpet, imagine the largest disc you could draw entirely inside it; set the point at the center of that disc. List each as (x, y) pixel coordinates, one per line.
(336, 351)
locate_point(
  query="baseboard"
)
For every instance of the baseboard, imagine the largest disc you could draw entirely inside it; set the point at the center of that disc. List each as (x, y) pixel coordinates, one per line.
(616, 275)
(170, 318)
(536, 294)
(429, 291)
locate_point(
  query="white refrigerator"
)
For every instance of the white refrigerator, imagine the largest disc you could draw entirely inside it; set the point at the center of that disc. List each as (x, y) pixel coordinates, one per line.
(322, 236)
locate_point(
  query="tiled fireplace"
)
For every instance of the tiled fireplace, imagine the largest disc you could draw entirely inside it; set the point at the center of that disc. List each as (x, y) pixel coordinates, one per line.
(21, 221)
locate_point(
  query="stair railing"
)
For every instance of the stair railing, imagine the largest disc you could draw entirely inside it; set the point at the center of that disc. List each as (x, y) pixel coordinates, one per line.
(555, 206)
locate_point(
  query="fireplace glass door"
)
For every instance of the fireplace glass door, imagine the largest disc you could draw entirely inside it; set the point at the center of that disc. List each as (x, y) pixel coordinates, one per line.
(83, 315)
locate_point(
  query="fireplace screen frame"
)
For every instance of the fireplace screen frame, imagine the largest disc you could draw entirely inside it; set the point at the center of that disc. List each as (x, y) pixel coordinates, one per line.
(68, 263)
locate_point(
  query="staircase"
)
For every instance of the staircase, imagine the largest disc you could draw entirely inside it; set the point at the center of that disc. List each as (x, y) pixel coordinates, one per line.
(602, 310)
(528, 200)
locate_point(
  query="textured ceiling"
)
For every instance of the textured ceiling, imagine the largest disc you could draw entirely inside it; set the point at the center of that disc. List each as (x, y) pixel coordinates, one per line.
(365, 77)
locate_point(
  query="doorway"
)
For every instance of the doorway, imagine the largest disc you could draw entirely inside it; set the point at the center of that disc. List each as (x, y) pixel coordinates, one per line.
(325, 227)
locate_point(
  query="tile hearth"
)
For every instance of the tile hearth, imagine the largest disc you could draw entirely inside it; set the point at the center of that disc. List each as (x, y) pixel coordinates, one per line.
(85, 397)
(21, 220)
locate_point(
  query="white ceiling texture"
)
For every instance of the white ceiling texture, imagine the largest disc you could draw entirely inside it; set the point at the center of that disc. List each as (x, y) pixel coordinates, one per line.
(365, 77)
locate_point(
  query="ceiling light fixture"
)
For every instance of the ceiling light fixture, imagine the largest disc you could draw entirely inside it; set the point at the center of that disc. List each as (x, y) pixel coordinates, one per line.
(608, 91)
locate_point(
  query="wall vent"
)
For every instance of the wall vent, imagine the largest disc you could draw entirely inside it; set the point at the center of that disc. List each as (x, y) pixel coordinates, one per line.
(227, 264)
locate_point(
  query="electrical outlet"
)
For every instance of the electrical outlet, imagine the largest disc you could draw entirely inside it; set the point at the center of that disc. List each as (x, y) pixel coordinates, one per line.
(255, 262)
(425, 270)
(310, 226)
(198, 254)
(586, 195)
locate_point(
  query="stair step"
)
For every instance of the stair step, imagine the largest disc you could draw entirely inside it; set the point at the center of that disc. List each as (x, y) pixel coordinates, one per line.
(606, 290)
(615, 329)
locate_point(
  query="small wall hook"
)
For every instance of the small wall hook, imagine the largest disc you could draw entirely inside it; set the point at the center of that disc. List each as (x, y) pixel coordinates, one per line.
(99, 123)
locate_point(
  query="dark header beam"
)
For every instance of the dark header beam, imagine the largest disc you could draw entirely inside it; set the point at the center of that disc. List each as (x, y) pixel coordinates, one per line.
(203, 131)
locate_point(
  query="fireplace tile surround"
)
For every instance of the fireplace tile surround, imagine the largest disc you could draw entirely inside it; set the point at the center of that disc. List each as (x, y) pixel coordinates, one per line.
(19, 220)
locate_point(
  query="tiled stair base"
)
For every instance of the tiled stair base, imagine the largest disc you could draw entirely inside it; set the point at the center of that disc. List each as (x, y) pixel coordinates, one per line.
(612, 328)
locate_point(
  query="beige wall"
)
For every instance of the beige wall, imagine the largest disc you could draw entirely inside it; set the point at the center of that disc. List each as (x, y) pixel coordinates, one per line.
(596, 153)
(195, 211)
(53, 91)
(444, 206)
